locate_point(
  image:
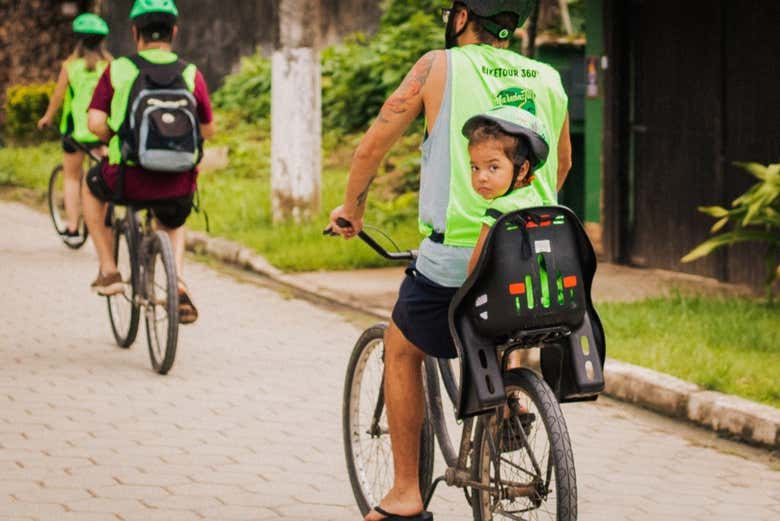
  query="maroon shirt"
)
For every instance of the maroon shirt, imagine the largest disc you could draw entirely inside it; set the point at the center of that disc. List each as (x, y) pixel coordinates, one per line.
(141, 184)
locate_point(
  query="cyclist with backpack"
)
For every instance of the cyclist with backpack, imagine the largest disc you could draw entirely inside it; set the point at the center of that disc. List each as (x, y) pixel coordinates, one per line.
(76, 83)
(154, 111)
(475, 73)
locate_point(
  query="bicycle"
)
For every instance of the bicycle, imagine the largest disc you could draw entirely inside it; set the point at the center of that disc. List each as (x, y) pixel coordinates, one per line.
(514, 460)
(144, 257)
(56, 199)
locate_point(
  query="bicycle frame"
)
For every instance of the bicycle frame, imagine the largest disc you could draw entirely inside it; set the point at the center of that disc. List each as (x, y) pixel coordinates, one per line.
(457, 472)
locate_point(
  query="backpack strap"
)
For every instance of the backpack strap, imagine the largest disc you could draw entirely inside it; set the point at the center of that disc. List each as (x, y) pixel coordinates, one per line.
(159, 74)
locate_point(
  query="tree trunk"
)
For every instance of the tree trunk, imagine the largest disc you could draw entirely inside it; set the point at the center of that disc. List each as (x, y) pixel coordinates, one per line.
(296, 120)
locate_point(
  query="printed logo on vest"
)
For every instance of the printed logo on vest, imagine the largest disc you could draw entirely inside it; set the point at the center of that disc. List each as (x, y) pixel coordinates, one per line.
(518, 97)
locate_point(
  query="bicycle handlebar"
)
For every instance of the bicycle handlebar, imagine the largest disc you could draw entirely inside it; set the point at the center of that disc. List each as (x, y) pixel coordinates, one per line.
(80, 146)
(400, 255)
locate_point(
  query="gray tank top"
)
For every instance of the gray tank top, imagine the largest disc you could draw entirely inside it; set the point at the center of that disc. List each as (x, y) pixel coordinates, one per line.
(443, 264)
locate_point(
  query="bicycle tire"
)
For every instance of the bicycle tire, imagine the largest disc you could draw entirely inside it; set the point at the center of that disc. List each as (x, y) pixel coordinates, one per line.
(125, 329)
(366, 495)
(158, 246)
(543, 401)
(53, 197)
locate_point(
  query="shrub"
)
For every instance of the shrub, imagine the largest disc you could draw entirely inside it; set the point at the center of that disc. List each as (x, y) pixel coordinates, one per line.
(24, 106)
(248, 92)
(755, 216)
(359, 74)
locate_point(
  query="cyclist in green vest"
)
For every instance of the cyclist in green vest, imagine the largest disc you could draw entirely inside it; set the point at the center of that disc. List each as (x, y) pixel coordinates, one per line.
(475, 73)
(77, 80)
(168, 193)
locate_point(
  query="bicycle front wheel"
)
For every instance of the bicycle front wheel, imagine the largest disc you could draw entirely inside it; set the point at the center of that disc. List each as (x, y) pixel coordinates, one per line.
(123, 309)
(531, 472)
(56, 199)
(366, 435)
(162, 302)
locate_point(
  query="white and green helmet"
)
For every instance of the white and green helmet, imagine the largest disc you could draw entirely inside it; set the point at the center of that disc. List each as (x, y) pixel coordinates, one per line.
(516, 122)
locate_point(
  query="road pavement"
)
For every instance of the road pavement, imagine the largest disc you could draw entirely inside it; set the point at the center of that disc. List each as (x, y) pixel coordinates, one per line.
(247, 425)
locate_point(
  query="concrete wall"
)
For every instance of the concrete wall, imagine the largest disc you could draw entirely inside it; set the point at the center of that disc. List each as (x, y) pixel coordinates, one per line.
(216, 33)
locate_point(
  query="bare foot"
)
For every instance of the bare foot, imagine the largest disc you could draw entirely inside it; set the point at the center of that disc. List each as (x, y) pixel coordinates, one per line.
(403, 504)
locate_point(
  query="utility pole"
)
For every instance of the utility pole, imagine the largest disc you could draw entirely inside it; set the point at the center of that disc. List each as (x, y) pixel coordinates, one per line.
(296, 119)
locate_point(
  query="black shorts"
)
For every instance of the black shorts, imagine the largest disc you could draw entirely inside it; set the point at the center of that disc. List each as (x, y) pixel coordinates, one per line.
(172, 213)
(69, 148)
(421, 314)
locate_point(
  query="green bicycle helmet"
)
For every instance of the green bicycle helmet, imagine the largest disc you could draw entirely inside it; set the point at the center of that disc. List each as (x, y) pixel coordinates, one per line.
(89, 23)
(143, 7)
(485, 9)
(520, 123)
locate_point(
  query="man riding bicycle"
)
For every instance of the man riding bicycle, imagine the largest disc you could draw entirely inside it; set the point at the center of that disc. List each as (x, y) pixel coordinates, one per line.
(474, 74)
(168, 190)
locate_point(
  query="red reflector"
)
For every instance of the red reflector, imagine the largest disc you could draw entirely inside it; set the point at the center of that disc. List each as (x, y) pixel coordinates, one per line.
(570, 281)
(546, 223)
(518, 288)
(531, 224)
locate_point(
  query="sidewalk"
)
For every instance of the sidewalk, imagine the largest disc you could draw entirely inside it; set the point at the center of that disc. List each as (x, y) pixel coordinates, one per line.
(373, 291)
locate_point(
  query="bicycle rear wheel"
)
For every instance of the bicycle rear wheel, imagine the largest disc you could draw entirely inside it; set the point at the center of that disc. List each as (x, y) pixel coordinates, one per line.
(536, 471)
(123, 309)
(162, 301)
(366, 436)
(56, 199)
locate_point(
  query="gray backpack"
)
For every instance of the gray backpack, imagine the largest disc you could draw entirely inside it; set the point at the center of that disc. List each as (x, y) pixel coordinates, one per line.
(161, 131)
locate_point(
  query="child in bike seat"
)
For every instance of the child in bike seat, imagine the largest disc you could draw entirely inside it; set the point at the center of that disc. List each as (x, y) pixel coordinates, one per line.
(506, 145)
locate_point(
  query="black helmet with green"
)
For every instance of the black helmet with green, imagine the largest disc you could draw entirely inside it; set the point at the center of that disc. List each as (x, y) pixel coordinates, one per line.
(89, 23)
(146, 12)
(486, 9)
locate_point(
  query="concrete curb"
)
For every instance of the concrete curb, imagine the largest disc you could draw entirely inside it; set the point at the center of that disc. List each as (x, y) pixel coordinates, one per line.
(728, 415)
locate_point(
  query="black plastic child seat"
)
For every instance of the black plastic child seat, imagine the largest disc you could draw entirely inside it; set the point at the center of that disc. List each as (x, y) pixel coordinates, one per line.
(530, 288)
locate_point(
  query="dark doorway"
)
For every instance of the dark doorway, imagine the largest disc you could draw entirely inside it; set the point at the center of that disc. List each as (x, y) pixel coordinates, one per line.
(702, 91)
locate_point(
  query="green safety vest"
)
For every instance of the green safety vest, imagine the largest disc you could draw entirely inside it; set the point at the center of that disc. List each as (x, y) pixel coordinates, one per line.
(123, 75)
(482, 77)
(81, 86)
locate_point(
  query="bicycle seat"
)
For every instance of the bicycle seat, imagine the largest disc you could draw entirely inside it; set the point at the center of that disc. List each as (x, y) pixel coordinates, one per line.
(531, 287)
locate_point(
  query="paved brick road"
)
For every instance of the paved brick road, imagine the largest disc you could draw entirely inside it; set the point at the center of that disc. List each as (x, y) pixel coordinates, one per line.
(247, 425)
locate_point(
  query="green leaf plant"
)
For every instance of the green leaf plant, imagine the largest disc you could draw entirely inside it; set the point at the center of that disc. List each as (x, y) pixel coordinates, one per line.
(754, 216)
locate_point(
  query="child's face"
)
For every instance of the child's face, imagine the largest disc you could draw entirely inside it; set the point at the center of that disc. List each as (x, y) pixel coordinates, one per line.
(491, 169)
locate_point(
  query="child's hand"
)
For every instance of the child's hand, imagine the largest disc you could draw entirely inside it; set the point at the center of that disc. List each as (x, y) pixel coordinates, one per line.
(44, 122)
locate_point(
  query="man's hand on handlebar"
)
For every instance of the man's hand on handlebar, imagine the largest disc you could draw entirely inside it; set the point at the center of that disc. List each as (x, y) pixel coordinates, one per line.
(44, 122)
(344, 224)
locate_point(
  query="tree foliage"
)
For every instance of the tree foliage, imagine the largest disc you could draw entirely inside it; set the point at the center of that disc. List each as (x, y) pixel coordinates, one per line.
(357, 75)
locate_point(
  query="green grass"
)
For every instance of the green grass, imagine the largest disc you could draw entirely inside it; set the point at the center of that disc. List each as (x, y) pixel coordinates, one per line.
(726, 345)
(238, 202)
(238, 198)
(29, 166)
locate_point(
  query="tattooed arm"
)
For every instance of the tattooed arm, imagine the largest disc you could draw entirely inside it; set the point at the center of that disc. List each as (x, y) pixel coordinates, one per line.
(398, 112)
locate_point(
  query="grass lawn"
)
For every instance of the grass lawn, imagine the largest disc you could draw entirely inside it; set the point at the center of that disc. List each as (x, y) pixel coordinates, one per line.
(238, 198)
(238, 202)
(727, 345)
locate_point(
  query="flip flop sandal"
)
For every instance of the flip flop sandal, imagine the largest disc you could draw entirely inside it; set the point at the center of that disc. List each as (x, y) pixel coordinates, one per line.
(188, 313)
(422, 516)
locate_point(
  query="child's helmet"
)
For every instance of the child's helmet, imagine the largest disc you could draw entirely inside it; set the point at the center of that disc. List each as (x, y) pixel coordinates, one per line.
(142, 7)
(516, 122)
(89, 23)
(485, 9)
